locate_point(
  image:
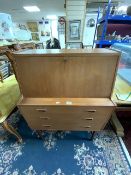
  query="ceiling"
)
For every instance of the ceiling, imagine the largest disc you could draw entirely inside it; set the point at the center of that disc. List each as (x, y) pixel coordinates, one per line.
(101, 1)
(47, 7)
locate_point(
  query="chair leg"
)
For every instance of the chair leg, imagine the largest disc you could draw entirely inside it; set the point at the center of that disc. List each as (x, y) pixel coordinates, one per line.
(11, 130)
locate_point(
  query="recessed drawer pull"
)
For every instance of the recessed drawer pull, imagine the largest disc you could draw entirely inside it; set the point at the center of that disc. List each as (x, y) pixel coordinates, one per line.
(45, 118)
(88, 118)
(92, 110)
(47, 126)
(41, 110)
(86, 126)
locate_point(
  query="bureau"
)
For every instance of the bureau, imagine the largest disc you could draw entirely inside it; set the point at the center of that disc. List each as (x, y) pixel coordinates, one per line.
(66, 89)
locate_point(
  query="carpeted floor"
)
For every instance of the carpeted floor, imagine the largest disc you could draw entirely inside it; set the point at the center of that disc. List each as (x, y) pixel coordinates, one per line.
(61, 153)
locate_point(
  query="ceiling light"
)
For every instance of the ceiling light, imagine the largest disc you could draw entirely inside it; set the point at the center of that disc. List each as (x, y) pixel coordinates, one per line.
(31, 8)
(52, 17)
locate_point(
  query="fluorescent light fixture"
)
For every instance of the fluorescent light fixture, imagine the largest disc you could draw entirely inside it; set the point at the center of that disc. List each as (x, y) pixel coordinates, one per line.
(31, 8)
(51, 17)
(123, 8)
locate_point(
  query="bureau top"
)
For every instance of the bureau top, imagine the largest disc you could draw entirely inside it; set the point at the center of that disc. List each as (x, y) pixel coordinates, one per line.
(81, 73)
(67, 102)
(70, 52)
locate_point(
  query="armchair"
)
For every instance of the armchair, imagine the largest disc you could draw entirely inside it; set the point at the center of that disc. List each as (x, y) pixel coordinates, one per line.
(9, 96)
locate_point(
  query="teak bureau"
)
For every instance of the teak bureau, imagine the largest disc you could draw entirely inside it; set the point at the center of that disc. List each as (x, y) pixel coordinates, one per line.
(66, 89)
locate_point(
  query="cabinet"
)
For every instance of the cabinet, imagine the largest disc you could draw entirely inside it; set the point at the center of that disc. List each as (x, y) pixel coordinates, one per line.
(66, 89)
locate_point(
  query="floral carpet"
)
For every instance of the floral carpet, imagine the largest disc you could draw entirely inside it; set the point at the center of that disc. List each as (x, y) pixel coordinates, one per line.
(61, 153)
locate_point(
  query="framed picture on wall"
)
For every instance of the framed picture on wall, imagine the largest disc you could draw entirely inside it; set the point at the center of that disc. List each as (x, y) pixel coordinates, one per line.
(22, 27)
(33, 27)
(74, 29)
(35, 36)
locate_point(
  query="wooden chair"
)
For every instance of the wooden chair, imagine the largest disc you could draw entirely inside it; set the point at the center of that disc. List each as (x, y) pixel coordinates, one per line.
(9, 56)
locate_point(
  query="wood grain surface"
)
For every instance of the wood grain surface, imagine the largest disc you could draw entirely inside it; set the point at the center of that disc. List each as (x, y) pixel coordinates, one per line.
(74, 74)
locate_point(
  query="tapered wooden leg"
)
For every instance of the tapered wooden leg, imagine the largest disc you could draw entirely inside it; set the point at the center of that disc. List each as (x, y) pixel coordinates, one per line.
(11, 130)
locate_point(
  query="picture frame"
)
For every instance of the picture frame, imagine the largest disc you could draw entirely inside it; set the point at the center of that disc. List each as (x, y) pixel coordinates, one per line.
(35, 36)
(22, 27)
(74, 29)
(32, 26)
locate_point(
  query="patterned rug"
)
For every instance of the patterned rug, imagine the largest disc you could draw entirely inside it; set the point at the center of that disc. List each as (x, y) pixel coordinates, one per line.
(61, 153)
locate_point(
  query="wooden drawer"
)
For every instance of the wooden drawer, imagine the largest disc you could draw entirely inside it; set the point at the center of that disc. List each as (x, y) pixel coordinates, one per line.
(97, 123)
(58, 125)
(66, 118)
(59, 109)
(39, 111)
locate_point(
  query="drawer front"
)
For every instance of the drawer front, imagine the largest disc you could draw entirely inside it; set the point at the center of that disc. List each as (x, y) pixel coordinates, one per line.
(65, 127)
(94, 125)
(38, 111)
(88, 118)
(59, 109)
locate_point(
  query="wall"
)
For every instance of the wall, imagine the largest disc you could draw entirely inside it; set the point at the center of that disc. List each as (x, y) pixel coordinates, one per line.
(51, 27)
(21, 34)
(6, 27)
(75, 10)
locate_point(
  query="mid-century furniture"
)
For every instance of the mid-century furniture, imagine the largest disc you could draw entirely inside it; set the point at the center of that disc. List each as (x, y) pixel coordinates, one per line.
(66, 89)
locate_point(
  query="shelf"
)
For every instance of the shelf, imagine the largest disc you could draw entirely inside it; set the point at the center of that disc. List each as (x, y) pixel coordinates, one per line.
(66, 102)
(109, 42)
(121, 19)
(110, 19)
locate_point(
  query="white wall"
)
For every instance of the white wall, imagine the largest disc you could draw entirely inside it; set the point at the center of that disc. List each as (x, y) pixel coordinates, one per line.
(20, 34)
(75, 10)
(52, 27)
(6, 26)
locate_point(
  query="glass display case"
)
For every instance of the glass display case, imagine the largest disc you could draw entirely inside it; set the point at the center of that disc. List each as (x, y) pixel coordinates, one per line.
(122, 89)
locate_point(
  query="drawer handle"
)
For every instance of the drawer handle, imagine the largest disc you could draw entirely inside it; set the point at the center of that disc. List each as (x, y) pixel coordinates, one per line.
(41, 110)
(47, 126)
(88, 118)
(92, 110)
(45, 118)
(86, 126)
